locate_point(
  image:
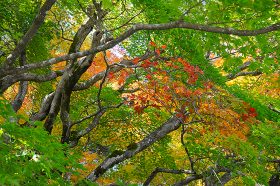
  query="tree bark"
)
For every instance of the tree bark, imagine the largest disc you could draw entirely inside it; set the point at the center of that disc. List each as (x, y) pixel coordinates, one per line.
(117, 157)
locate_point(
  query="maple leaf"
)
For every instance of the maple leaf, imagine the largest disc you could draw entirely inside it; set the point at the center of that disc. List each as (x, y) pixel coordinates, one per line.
(136, 60)
(138, 109)
(154, 63)
(188, 93)
(110, 75)
(197, 92)
(245, 117)
(251, 109)
(149, 76)
(146, 64)
(153, 44)
(169, 64)
(157, 51)
(208, 85)
(165, 88)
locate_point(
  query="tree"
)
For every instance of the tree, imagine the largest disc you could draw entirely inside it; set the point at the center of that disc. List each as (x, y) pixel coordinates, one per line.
(134, 75)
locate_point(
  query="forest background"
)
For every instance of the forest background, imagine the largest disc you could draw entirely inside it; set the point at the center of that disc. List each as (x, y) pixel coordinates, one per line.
(148, 92)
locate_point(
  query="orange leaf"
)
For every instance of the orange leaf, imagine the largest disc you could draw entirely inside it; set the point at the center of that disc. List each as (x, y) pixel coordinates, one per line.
(135, 60)
(158, 51)
(110, 75)
(149, 76)
(153, 44)
(138, 109)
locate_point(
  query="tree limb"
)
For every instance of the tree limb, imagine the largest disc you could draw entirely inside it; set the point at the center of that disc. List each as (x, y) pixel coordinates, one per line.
(249, 73)
(172, 124)
(271, 107)
(138, 27)
(38, 21)
(23, 87)
(158, 170)
(188, 180)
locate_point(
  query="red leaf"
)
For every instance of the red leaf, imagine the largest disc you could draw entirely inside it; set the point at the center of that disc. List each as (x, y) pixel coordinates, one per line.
(165, 88)
(169, 64)
(146, 64)
(163, 47)
(121, 80)
(153, 83)
(245, 117)
(153, 44)
(158, 51)
(188, 93)
(179, 115)
(208, 85)
(252, 109)
(135, 60)
(154, 63)
(138, 109)
(149, 76)
(197, 92)
(110, 75)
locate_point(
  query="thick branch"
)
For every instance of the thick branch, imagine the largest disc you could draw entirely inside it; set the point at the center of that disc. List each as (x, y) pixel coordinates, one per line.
(38, 21)
(188, 180)
(169, 126)
(114, 68)
(89, 128)
(22, 90)
(158, 170)
(240, 68)
(250, 73)
(12, 79)
(23, 87)
(271, 107)
(68, 80)
(139, 27)
(224, 179)
(44, 109)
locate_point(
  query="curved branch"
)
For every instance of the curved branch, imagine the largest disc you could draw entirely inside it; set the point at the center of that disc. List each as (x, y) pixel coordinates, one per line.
(116, 157)
(158, 170)
(89, 128)
(12, 79)
(222, 180)
(189, 179)
(114, 68)
(38, 21)
(23, 87)
(271, 107)
(44, 109)
(22, 90)
(139, 27)
(249, 73)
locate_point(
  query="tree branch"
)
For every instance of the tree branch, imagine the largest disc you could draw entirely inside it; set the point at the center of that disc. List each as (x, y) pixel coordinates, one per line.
(116, 157)
(224, 179)
(158, 170)
(38, 21)
(12, 79)
(44, 109)
(270, 106)
(139, 27)
(23, 87)
(89, 128)
(188, 180)
(114, 68)
(249, 73)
